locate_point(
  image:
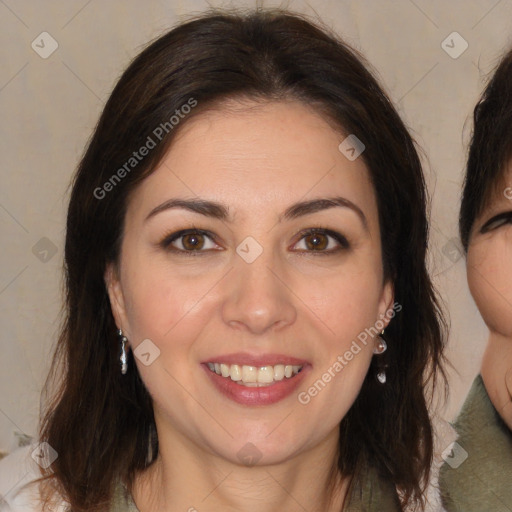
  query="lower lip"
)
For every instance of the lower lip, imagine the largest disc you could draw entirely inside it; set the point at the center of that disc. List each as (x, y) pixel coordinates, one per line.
(264, 395)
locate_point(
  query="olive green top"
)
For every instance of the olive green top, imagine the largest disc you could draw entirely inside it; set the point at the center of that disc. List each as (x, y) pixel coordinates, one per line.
(483, 481)
(374, 495)
(122, 501)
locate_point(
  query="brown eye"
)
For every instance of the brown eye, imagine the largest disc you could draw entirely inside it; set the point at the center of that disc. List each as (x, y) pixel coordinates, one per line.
(192, 241)
(316, 241)
(321, 241)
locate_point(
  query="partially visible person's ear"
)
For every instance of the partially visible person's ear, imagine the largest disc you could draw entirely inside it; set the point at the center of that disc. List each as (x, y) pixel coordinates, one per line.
(115, 293)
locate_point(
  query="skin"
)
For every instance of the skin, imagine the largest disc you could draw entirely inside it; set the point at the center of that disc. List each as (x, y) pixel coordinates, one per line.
(490, 282)
(256, 159)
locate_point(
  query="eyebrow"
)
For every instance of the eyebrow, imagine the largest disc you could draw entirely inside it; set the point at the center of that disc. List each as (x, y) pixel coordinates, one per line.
(219, 211)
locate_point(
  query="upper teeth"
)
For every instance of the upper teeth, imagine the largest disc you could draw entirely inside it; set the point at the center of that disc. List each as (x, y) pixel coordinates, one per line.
(255, 374)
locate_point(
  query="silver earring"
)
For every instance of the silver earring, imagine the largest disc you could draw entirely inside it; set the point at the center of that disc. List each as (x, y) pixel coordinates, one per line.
(378, 350)
(123, 358)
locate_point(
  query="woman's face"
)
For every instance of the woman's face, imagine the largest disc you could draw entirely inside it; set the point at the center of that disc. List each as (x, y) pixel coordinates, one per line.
(489, 261)
(254, 245)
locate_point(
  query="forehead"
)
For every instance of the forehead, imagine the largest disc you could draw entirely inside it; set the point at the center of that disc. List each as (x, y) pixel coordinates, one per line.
(257, 156)
(499, 193)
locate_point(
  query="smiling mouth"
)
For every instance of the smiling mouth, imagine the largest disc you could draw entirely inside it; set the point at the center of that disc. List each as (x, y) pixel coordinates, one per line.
(255, 376)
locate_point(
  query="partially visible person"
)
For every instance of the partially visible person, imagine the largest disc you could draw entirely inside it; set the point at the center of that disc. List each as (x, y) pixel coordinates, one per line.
(483, 482)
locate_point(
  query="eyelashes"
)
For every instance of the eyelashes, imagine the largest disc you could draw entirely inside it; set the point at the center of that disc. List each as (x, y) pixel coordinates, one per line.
(496, 222)
(198, 242)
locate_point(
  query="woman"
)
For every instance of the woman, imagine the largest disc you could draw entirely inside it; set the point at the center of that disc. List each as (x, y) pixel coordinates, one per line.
(247, 220)
(483, 480)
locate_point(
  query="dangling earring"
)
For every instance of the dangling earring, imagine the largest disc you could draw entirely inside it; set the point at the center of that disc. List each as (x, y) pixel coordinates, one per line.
(378, 350)
(123, 358)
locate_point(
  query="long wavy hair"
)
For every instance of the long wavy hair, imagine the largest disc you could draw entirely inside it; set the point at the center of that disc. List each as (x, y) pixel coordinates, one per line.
(100, 422)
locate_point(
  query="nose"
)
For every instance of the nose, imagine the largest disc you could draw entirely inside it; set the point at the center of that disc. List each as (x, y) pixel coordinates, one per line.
(257, 298)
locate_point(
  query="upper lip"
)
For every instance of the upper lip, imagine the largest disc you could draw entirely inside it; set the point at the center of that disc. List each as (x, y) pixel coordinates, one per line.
(245, 359)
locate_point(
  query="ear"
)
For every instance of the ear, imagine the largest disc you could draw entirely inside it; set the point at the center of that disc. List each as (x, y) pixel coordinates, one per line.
(115, 293)
(387, 302)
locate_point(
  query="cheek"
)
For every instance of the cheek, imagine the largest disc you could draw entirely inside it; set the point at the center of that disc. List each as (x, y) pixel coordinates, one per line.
(490, 282)
(163, 303)
(348, 310)
(348, 301)
(174, 313)
(344, 313)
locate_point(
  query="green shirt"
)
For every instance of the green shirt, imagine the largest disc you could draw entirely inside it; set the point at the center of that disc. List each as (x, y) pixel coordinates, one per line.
(483, 482)
(374, 494)
(122, 500)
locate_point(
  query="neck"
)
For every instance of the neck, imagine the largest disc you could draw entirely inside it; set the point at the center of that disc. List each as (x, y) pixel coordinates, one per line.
(497, 374)
(187, 478)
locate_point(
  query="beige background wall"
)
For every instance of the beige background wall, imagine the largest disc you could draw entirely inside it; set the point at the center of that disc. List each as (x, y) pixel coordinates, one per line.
(48, 108)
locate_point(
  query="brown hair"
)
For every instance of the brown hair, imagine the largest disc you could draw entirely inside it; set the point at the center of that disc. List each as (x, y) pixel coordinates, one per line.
(490, 148)
(100, 422)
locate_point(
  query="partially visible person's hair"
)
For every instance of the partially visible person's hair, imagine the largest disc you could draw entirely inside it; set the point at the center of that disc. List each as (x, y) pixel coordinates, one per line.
(490, 149)
(100, 422)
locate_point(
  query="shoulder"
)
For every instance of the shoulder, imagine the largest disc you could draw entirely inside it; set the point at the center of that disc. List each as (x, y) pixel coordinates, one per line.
(478, 474)
(18, 474)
